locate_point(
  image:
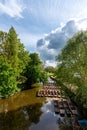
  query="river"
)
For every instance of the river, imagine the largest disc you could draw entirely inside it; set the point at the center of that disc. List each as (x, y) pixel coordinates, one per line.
(25, 111)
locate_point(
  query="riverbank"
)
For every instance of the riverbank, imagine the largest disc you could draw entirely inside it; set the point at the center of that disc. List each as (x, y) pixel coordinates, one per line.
(63, 106)
(72, 96)
(20, 99)
(26, 111)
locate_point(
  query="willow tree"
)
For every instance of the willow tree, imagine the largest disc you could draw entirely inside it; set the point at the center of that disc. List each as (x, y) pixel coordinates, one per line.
(73, 65)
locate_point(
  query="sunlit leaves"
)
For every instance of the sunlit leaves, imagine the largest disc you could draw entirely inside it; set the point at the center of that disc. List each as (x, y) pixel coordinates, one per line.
(8, 83)
(73, 64)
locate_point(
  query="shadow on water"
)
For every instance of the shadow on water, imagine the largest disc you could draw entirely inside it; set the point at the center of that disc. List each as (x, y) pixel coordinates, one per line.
(21, 99)
(20, 111)
(21, 119)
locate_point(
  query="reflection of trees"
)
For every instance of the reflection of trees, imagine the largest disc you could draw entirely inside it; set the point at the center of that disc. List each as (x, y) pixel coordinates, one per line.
(20, 119)
(36, 112)
(65, 127)
(65, 124)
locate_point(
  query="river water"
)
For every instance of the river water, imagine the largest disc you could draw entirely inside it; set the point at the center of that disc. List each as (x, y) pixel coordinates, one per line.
(25, 111)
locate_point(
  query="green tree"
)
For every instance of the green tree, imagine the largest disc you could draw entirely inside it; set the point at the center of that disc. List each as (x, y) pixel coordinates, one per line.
(13, 53)
(8, 84)
(50, 69)
(73, 65)
(43, 77)
(35, 59)
(12, 42)
(3, 45)
(23, 59)
(33, 70)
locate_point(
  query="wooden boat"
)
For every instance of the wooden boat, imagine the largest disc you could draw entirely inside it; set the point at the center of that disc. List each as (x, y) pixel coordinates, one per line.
(60, 104)
(55, 103)
(65, 104)
(73, 110)
(68, 112)
(62, 112)
(56, 110)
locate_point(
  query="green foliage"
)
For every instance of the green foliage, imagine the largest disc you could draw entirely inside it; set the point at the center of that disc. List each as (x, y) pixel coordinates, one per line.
(17, 65)
(73, 65)
(13, 53)
(50, 69)
(35, 59)
(23, 58)
(7, 80)
(43, 77)
(12, 41)
(34, 71)
(32, 74)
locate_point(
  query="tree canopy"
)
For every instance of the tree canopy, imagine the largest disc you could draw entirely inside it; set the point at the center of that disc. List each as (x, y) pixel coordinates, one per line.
(8, 84)
(17, 64)
(34, 71)
(72, 67)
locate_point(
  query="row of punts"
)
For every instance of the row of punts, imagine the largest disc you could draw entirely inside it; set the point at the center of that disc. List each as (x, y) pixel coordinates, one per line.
(61, 106)
(49, 84)
(50, 93)
(50, 87)
(65, 108)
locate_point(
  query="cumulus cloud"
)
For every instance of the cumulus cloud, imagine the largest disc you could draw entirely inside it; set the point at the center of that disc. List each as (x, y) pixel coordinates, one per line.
(51, 44)
(13, 8)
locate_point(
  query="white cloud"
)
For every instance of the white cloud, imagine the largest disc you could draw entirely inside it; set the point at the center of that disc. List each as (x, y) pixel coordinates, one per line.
(82, 24)
(50, 63)
(13, 8)
(51, 44)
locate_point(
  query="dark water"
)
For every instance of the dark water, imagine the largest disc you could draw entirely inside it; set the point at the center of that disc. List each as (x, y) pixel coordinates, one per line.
(25, 111)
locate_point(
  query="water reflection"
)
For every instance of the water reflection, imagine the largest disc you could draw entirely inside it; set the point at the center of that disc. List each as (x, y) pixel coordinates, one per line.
(20, 111)
(24, 111)
(20, 119)
(48, 120)
(37, 116)
(20, 99)
(33, 117)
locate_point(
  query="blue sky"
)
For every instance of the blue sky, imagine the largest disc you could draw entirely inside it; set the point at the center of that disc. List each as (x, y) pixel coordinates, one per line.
(44, 25)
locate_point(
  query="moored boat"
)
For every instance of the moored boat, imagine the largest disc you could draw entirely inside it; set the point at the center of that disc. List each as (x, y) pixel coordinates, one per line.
(56, 110)
(62, 112)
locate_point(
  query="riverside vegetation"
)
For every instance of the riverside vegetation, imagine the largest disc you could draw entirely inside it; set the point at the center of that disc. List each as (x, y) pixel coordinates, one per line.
(20, 69)
(72, 69)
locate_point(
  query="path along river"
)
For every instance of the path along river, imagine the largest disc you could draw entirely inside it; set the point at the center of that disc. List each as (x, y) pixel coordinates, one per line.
(25, 111)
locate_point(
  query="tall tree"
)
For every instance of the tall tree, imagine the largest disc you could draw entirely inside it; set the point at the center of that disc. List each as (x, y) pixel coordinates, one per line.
(3, 45)
(73, 65)
(12, 42)
(33, 70)
(13, 56)
(23, 56)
